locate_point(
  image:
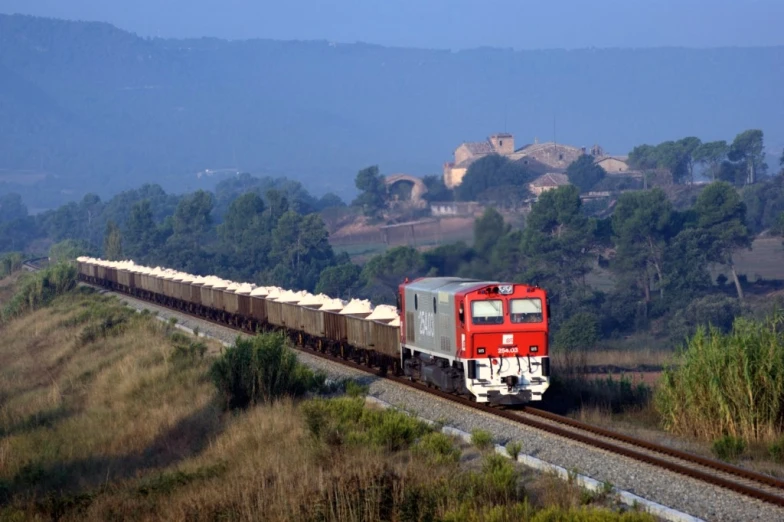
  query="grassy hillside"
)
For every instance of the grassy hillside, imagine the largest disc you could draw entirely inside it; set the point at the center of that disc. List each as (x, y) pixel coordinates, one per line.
(106, 413)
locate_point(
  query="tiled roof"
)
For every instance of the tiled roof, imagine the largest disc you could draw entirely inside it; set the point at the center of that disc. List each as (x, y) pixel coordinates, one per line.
(479, 147)
(551, 179)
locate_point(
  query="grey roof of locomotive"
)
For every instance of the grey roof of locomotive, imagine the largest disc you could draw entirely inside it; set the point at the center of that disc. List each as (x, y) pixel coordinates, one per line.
(447, 284)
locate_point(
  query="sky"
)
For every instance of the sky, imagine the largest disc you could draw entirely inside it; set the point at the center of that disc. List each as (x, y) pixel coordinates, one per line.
(442, 24)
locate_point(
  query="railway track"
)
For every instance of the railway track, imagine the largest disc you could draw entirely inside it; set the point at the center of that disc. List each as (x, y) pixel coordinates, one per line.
(752, 484)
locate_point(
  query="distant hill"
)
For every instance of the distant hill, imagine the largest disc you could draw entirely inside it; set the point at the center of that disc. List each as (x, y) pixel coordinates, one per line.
(96, 108)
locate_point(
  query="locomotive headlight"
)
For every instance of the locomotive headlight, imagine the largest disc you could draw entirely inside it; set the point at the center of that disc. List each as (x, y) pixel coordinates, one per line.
(534, 349)
(505, 289)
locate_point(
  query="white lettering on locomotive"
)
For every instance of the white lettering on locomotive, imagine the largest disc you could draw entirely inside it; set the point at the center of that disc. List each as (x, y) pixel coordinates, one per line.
(427, 323)
(508, 350)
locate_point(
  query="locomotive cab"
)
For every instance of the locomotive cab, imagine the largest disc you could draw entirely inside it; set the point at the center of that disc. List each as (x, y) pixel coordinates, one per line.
(484, 338)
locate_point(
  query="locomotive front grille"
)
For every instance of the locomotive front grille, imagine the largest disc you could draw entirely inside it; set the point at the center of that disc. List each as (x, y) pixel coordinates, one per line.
(410, 327)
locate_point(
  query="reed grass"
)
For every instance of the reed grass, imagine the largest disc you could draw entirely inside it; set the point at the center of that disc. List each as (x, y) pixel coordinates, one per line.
(728, 384)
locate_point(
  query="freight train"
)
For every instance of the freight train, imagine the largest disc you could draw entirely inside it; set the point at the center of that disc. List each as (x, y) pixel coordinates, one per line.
(483, 339)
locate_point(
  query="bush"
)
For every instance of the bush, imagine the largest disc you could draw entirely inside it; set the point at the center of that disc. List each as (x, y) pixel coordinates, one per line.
(38, 289)
(514, 449)
(776, 450)
(728, 447)
(346, 421)
(261, 369)
(481, 439)
(438, 448)
(728, 384)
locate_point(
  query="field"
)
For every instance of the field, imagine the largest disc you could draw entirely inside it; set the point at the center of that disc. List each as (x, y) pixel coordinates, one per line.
(106, 413)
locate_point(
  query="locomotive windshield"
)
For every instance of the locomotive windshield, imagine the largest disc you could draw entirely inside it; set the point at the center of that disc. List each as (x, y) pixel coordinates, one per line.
(487, 312)
(526, 310)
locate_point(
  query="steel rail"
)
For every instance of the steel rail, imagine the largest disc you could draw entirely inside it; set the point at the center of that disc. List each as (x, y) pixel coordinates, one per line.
(560, 431)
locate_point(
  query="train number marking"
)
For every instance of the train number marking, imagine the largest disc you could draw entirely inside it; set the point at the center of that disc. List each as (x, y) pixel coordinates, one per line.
(427, 323)
(508, 350)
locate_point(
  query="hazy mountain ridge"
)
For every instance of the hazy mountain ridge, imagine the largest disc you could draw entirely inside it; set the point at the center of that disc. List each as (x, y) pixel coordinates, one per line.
(106, 110)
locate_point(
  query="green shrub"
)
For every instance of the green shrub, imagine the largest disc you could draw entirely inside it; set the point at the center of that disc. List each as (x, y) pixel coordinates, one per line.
(438, 448)
(261, 369)
(354, 389)
(514, 449)
(728, 384)
(728, 447)
(481, 439)
(38, 289)
(776, 450)
(347, 421)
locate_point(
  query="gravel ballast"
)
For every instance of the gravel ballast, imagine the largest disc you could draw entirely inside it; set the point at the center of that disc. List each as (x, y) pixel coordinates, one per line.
(669, 489)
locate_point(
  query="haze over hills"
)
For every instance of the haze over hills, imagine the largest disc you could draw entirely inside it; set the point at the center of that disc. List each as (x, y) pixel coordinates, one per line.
(99, 109)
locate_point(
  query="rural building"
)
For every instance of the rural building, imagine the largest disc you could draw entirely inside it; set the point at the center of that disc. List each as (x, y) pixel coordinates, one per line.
(556, 156)
(549, 181)
(455, 208)
(468, 152)
(613, 164)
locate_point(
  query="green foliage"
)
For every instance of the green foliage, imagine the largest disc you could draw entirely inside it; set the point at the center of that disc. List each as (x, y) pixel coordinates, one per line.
(728, 447)
(68, 250)
(580, 330)
(711, 155)
(339, 281)
(383, 274)
(718, 311)
(776, 450)
(112, 242)
(436, 189)
(482, 439)
(748, 148)
(38, 289)
(493, 172)
(354, 389)
(727, 384)
(261, 369)
(513, 448)
(10, 263)
(373, 197)
(584, 173)
(347, 421)
(438, 448)
(12, 207)
(677, 157)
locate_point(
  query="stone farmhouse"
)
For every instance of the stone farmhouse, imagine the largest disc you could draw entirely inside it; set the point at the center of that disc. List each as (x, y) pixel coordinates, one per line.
(542, 158)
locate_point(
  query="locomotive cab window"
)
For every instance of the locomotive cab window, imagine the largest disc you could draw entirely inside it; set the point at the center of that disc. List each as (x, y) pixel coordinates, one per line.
(526, 310)
(487, 312)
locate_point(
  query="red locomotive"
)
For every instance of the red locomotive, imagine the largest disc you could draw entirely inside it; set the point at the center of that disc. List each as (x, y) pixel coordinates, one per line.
(482, 338)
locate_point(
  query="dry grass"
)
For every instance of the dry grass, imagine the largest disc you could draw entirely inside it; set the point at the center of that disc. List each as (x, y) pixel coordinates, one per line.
(96, 427)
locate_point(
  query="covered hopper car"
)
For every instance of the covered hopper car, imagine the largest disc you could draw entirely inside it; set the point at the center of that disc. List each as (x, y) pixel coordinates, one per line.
(484, 339)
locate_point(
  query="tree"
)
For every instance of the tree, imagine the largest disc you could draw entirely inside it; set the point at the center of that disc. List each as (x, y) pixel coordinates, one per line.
(140, 235)
(585, 173)
(373, 197)
(384, 273)
(12, 207)
(488, 229)
(112, 243)
(339, 281)
(436, 189)
(330, 200)
(641, 223)
(722, 214)
(711, 155)
(489, 172)
(748, 148)
(300, 249)
(244, 236)
(557, 240)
